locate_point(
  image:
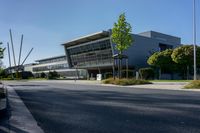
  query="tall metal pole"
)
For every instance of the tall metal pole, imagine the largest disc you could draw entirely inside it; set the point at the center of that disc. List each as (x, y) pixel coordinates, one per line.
(12, 48)
(9, 58)
(20, 50)
(27, 56)
(9, 54)
(194, 38)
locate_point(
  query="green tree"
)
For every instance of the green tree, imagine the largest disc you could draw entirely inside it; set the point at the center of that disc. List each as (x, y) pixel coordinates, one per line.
(1, 51)
(2, 72)
(162, 60)
(146, 73)
(121, 36)
(183, 56)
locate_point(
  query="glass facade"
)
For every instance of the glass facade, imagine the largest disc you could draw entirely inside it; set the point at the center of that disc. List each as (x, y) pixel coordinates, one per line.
(52, 60)
(50, 67)
(55, 63)
(92, 54)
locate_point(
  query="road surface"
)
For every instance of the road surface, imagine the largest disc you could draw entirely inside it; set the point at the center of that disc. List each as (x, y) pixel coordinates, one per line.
(86, 108)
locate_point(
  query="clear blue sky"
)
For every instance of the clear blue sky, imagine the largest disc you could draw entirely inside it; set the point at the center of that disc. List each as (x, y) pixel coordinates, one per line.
(48, 23)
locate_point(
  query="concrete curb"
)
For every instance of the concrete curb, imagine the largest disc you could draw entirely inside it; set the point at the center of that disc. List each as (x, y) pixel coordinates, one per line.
(3, 101)
(21, 120)
(172, 87)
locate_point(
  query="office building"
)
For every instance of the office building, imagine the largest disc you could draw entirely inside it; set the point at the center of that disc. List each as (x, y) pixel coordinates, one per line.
(94, 52)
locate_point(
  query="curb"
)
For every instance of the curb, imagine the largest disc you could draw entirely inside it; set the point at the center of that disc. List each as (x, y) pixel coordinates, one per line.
(21, 119)
(171, 87)
(3, 101)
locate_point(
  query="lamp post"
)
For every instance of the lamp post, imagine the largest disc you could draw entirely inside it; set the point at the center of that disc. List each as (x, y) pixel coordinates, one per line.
(194, 38)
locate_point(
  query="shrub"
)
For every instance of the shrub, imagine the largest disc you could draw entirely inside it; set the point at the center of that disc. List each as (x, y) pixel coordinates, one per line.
(146, 73)
(108, 75)
(125, 81)
(130, 73)
(42, 75)
(193, 85)
(53, 75)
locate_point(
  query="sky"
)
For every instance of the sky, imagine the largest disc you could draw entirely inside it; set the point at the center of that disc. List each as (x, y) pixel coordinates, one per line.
(46, 24)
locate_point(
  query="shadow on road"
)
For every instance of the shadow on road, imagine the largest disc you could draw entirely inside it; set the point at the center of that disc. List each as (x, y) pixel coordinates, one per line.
(100, 111)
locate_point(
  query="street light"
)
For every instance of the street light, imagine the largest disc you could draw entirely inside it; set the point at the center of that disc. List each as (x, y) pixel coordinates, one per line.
(194, 38)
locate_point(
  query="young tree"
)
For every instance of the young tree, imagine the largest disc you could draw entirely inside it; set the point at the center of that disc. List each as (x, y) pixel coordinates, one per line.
(121, 36)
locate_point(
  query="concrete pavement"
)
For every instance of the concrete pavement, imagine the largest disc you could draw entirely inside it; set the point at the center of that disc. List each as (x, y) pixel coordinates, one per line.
(156, 85)
(20, 119)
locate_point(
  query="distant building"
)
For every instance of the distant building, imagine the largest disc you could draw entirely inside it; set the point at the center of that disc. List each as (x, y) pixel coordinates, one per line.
(29, 67)
(94, 52)
(58, 64)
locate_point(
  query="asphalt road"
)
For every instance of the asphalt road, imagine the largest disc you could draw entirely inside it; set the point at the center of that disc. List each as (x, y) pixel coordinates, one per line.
(73, 108)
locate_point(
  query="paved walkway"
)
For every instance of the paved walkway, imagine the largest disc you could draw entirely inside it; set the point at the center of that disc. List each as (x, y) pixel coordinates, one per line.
(21, 120)
(155, 85)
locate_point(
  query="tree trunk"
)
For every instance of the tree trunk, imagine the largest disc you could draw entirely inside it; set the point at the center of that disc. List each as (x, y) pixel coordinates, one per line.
(114, 69)
(160, 73)
(127, 68)
(120, 64)
(187, 72)
(118, 68)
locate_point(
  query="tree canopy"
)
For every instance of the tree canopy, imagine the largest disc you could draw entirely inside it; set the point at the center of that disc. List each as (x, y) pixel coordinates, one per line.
(184, 55)
(121, 34)
(161, 59)
(1, 51)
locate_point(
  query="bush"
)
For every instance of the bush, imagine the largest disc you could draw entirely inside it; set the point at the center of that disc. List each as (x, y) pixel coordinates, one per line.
(193, 85)
(146, 73)
(125, 81)
(108, 75)
(130, 73)
(42, 75)
(53, 75)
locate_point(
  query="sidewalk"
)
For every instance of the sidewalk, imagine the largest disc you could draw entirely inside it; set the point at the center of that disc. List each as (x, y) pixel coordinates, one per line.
(165, 86)
(156, 85)
(20, 119)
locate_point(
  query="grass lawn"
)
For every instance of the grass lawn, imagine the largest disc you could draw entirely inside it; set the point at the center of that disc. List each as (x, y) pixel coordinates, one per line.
(193, 85)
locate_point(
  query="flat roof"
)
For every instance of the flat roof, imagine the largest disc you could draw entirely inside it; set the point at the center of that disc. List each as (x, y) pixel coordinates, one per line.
(87, 38)
(50, 58)
(156, 32)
